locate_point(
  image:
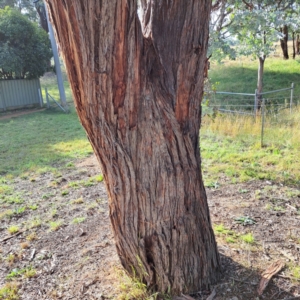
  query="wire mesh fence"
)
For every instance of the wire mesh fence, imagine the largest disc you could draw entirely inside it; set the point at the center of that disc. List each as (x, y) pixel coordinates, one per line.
(250, 103)
(264, 114)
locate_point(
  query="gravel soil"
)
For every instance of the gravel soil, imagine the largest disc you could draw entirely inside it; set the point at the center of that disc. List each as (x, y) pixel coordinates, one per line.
(78, 259)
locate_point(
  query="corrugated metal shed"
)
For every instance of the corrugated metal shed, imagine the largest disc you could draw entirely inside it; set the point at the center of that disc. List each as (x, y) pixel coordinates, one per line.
(19, 93)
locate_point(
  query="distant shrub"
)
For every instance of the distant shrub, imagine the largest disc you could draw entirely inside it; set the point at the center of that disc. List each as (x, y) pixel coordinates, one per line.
(25, 49)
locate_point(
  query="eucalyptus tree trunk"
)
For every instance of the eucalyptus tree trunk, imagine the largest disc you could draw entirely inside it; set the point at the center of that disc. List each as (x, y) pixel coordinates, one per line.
(284, 42)
(136, 72)
(260, 77)
(294, 46)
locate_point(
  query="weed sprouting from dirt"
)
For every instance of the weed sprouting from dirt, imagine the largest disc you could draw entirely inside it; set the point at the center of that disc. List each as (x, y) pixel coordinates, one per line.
(248, 238)
(78, 220)
(9, 291)
(55, 225)
(132, 288)
(13, 229)
(77, 201)
(27, 272)
(31, 236)
(295, 271)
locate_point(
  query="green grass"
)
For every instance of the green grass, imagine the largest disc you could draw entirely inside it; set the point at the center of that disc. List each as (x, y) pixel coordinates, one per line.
(78, 220)
(55, 225)
(33, 206)
(220, 229)
(77, 201)
(11, 258)
(86, 183)
(132, 288)
(248, 238)
(27, 272)
(40, 142)
(31, 236)
(6, 213)
(231, 236)
(231, 148)
(49, 81)
(13, 229)
(9, 291)
(296, 272)
(34, 223)
(241, 75)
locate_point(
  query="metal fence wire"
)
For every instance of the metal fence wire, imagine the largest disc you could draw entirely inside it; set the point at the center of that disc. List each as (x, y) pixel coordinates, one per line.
(250, 103)
(269, 104)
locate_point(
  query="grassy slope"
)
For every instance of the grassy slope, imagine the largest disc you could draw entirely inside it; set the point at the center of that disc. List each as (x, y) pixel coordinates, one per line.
(40, 141)
(231, 144)
(241, 75)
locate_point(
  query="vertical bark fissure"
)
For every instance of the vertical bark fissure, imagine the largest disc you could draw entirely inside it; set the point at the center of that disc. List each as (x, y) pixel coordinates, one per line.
(137, 83)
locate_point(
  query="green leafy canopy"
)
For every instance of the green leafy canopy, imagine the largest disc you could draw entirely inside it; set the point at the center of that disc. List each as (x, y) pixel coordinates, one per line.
(24, 47)
(257, 30)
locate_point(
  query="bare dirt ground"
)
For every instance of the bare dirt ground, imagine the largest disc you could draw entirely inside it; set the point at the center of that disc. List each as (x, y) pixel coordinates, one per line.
(79, 260)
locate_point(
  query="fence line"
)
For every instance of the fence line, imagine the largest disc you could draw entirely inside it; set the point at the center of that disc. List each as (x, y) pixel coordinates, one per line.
(19, 93)
(49, 97)
(263, 104)
(257, 100)
(229, 93)
(235, 112)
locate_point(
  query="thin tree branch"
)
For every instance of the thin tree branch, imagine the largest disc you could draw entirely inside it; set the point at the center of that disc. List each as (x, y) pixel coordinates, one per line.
(249, 5)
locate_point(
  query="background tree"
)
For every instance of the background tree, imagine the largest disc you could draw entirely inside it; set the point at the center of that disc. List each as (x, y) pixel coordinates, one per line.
(220, 39)
(26, 7)
(290, 15)
(136, 69)
(41, 10)
(256, 25)
(293, 22)
(284, 41)
(24, 48)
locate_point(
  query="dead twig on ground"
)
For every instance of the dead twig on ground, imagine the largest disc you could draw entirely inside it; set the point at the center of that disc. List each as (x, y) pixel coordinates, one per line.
(10, 237)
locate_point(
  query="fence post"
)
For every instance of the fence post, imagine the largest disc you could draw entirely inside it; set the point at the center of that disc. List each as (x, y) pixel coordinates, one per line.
(291, 100)
(47, 98)
(41, 98)
(59, 77)
(255, 104)
(262, 123)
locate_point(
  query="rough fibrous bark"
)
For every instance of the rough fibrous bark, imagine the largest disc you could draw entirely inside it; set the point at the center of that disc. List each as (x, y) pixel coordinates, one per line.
(136, 71)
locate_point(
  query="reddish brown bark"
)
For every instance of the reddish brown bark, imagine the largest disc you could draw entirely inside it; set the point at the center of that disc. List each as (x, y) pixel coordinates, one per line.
(137, 79)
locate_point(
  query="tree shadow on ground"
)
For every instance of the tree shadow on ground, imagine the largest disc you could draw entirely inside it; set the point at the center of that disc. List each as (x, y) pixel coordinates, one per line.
(241, 283)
